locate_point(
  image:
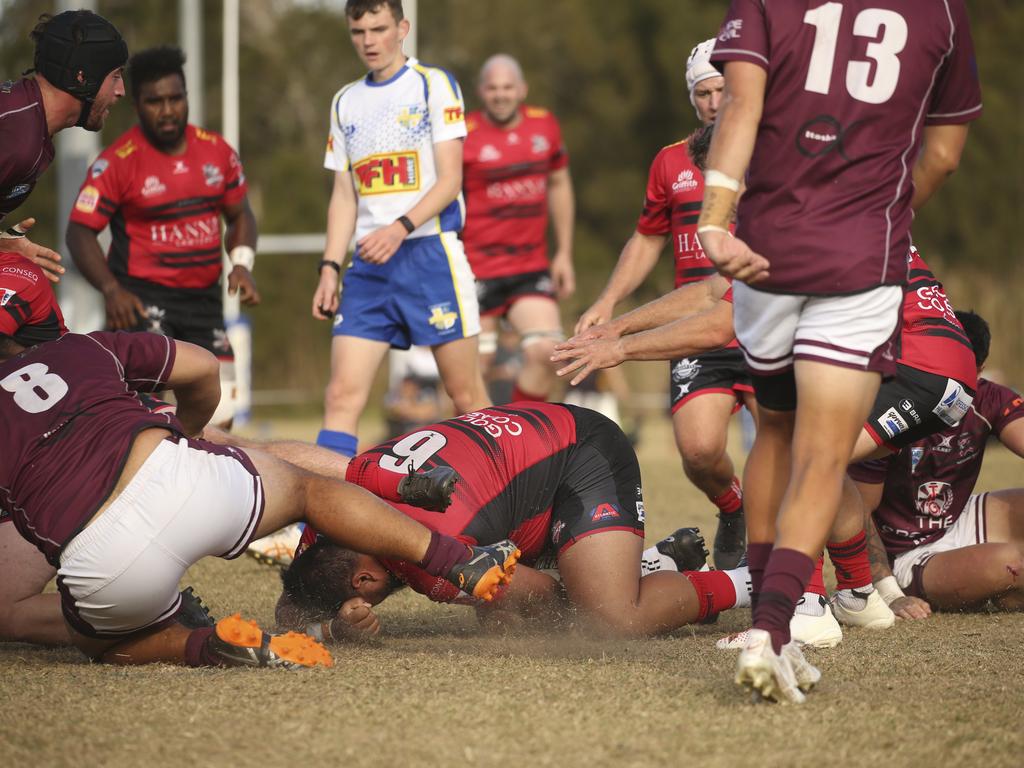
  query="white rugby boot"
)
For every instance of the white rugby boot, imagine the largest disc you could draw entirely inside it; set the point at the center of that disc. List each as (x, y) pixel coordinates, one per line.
(766, 674)
(807, 675)
(855, 609)
(822, 631)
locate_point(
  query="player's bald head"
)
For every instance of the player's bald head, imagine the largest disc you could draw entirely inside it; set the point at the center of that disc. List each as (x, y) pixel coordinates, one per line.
(501, 64)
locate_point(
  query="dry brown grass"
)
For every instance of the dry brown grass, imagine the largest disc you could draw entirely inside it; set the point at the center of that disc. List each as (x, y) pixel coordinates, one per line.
(947, 691)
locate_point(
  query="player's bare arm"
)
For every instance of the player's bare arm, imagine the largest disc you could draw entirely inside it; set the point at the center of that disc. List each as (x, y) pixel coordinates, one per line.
(904, 606)
(637, 259)
(692, 335)
(123, 307)
(728, 158)
(380, 245)
(15, 240)
(562, 206)
(1012, 437)
(240, 241)
(341, 223)
(939, 158)
(195, 380)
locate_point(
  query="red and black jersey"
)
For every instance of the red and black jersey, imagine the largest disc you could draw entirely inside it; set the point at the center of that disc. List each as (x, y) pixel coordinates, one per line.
(928, 483)
(29, 313)
(505, 180)
(931, 338)
(26, 149)
(59, 402)
(164, 210)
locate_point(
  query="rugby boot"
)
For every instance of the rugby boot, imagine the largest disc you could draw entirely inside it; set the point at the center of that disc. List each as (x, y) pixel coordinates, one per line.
(278, 548)
(685, 548)
(487, 570)
(431, 489)
(730, 540)
(807, 675)
(193, 613)
(856, 609)
(238, 642)
(767, 674)
(815, 631)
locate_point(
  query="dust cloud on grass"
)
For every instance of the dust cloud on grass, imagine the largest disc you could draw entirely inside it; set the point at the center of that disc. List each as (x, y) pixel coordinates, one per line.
(433, 691)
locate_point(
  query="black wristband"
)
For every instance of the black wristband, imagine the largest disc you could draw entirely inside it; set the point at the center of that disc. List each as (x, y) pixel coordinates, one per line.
(327, 263)
(406, 222)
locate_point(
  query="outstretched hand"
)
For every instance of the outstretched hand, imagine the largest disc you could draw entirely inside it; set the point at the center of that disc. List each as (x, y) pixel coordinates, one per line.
(46, 259)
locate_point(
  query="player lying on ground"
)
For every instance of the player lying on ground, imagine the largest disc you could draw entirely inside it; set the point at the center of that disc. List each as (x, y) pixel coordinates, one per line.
(144, 500)
(947, 546)
(933, 387)
(547, 476)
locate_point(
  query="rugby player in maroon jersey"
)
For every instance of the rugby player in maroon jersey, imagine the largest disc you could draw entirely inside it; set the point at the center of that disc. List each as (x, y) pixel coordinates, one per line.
(515, 170)
(163, 187)
(708, 386)
(128, 520)
(825, 113)
(79, 60)
(933, 536)
(557, 480)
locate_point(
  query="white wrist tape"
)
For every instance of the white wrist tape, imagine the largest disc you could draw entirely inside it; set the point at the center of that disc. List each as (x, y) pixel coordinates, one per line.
(714, 178)
(889, 589)
(13, 233)
(712, 228)
(242, 256)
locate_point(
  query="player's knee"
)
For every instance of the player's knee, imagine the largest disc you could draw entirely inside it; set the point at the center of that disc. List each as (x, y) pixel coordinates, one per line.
(1010, 567)
(340, 398)
(701, 453)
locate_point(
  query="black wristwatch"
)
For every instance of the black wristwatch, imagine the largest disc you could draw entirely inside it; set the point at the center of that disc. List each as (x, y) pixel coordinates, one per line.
(327, 263)
(406, 222)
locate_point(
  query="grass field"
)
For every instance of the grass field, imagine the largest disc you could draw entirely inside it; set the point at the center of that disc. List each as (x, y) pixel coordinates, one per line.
(432, 691)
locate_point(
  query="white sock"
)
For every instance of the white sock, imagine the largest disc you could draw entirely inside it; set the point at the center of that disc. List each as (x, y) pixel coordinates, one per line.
(854, 600)
(652, 561)
(740, 578)
(810, 605)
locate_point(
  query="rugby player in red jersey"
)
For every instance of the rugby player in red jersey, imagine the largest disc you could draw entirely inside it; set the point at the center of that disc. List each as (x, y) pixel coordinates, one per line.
(709, 385)
(948, 546)
(162, 187)
(829, 106)
(515, 170)
(125, 524)
(552, 478)
(79, 60)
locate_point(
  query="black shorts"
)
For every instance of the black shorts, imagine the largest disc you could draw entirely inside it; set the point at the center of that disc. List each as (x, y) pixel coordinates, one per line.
(915, 404)
(192, 316)
(720, 371)
(498, 294)
(601, 488)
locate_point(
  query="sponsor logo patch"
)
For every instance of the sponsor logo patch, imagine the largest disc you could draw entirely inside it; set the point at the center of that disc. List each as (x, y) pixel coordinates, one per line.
(684, 181)
(411, 116)
(934, 498)
(892, 423)
(452, 115)
(604, 511)
(126, 150)
(954, 404)
(214, 176)
(153, 186)
(99, 167)
(916, 454)
(539, 144)
(88, 199)
(556, 531)
(8, 295)
(442, 318)
(489, 153)
(731, 30)
(17, 191)
(388, 172)
(179, 168)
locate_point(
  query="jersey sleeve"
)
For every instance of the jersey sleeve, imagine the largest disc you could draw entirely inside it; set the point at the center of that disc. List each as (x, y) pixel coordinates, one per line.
(999, 405)
(559, 155)
(101, 192)
(872, 472)
(447, 110)
(956, 97)
(22, 287)
(146, 358)
(336, 154)
(744, 35)
(656, 217)
(235, 186)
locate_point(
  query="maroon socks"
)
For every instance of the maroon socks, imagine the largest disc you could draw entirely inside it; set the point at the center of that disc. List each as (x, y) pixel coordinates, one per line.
(443, 554)
(784, 579)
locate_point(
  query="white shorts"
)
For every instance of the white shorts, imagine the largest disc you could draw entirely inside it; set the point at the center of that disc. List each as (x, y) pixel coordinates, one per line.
(850, 330)
(968, 530)
(121, 573)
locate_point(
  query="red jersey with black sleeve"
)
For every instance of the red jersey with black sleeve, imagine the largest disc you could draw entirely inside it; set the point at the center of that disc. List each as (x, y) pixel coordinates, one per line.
(512, 462)
(928, 483)
(26, 149)
(69, 411)
(931, 338)
(29, 313)
(163, 210)
(850, 88)
(505, 181)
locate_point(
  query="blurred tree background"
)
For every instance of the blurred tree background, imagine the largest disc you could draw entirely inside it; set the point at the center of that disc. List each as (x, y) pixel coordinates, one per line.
(611, 72)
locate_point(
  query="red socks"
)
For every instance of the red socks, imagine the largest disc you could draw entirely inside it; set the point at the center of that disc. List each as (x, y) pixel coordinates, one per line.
(196, 652)
(816, 585)
(730, 501)
(367, 473)
(850, 557)
(715, 591)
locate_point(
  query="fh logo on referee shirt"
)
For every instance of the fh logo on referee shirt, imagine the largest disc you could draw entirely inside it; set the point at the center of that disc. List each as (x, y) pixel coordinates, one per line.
(388, 172)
